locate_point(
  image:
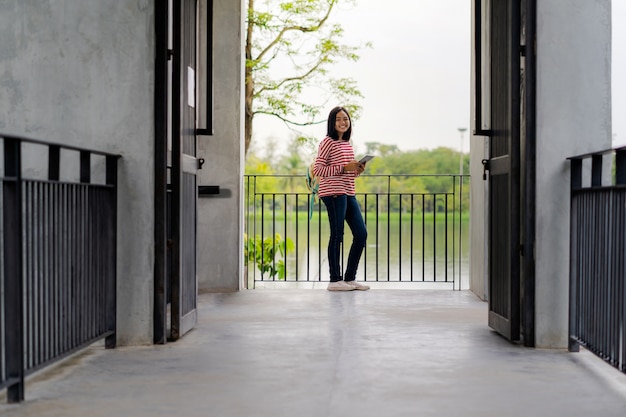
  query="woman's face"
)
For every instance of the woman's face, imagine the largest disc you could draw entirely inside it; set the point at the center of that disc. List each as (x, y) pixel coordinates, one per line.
(342, 123)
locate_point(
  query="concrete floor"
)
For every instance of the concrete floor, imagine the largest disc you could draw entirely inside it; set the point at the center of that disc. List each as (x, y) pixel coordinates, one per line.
(300, 353)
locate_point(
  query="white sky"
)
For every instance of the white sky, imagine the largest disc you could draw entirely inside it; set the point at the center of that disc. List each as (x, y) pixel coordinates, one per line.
(416, 78)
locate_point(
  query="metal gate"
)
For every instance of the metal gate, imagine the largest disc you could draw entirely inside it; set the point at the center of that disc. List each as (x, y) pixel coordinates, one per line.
(176, 168)
(503, 20)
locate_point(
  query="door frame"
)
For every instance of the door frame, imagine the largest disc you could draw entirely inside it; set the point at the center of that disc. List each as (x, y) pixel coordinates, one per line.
(527, 164)
(175, 293)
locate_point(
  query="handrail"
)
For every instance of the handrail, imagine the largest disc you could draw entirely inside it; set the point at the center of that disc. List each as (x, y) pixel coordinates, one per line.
(62, 145)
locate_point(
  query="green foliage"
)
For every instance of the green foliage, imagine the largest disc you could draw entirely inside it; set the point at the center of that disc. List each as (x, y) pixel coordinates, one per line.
(268, 254)
(290, 48)
(441, 165)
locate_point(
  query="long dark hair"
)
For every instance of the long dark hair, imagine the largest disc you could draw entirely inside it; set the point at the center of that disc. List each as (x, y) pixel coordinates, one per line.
(332, 118)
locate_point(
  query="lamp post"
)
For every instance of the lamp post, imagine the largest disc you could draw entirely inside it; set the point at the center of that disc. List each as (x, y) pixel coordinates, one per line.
(462, 131)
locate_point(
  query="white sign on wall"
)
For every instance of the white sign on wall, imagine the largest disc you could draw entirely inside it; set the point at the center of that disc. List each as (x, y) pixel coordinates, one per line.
(191, 87)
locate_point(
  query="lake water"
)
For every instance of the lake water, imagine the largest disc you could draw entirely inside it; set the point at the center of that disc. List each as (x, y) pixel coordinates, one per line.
(397, 251)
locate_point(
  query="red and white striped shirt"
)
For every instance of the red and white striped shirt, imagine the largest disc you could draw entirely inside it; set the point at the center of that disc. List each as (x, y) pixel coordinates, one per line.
(332, 156)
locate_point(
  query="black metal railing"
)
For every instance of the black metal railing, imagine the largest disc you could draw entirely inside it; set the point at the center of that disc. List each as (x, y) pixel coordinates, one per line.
(597, 313)
(58, 206)
(417, 230)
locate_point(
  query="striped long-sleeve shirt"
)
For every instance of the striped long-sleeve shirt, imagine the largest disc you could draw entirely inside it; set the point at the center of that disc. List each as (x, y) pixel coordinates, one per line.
(332, 156)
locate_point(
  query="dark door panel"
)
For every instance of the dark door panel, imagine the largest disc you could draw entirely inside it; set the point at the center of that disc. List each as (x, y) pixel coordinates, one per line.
(504, 169)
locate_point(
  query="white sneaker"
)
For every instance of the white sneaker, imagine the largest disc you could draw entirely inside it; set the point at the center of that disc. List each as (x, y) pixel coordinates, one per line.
(339, 286)
(357, 285)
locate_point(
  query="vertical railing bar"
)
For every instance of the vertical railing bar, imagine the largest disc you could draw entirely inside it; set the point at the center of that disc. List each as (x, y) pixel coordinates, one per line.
(613, 288)
(445, 237)
(74, 263)
(101, 248)
(262, 230)
(590, 323)
(411, 232)
(88, 301)
(423, 237)
(59, 249)
(308, 239)
(460, 231)
(80, 261)
(33, 260)
(99, 288)
(55, 268)
(70, 267)
(604, 277)
(254, 229)
(388, 227)
(65, 287)
(29, 273)
(319, 242)
(41, 273)
(297, 238)
(435, 236)
(454, 246)
(87, 263)
(400, 237)
(622, 283)
(27, 229)
(47, 221)
(609, 270)
(365, 214)
(286, 236)
(377, 228)
(92, 301)
(274, 235)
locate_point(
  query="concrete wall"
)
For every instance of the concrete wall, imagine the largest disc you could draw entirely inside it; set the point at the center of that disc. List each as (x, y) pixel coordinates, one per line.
(82, 73)
(573, 117)
(220, 218)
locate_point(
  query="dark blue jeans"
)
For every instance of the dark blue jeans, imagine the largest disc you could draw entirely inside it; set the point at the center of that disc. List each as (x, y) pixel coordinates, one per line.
(344, 208)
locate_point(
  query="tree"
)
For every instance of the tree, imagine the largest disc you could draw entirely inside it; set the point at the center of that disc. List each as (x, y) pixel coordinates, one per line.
(290, 46)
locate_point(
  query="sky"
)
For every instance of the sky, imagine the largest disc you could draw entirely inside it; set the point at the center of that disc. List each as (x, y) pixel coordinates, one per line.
(416, 78)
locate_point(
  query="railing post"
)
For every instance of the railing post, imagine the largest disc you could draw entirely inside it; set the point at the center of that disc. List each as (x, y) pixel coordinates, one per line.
(596, 170)
(575, 184)
(620, 166)
(12, 227)
(576, 173)
(111, 179)
(54, 162)
(85, 167)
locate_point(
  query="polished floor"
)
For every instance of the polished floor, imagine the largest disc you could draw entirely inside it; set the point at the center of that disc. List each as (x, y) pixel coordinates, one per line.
(312, 353)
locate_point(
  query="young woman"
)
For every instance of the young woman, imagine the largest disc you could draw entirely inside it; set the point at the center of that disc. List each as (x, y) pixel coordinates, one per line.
(336, 167)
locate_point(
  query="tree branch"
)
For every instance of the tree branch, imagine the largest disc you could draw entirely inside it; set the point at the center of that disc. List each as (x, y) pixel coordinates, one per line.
(291, 122)
(290, 79)
(303, 29)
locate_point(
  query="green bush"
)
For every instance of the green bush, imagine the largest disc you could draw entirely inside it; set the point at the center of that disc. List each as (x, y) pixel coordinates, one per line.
(268, 254)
